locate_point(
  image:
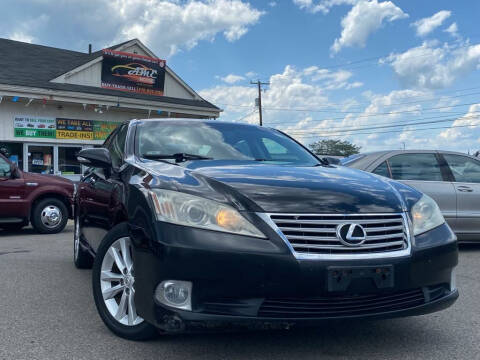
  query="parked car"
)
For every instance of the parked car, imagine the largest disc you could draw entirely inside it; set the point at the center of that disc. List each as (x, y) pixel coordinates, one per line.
(452, 179)
(192, 223)
(45, 201)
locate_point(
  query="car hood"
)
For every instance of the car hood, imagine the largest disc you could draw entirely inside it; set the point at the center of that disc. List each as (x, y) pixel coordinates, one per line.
(276, 188)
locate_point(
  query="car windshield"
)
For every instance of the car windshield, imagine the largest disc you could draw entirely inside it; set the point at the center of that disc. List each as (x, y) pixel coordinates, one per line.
(219, 141)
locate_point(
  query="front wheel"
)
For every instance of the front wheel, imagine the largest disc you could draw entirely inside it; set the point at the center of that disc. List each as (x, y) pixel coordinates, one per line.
(113, 280)
(49, 216)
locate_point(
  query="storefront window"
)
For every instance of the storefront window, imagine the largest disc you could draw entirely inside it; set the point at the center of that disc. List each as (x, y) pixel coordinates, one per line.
(67, 161)
(13, 151)
(40, 159)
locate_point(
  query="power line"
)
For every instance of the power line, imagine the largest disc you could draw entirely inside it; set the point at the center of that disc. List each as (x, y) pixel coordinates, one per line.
(386, 126)
(358, 105)
(393, 131)
(380, 114)
(245, 116)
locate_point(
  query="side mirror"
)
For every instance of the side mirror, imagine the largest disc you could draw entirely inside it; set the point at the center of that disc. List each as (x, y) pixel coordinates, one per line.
(331, 160)
(95, 157)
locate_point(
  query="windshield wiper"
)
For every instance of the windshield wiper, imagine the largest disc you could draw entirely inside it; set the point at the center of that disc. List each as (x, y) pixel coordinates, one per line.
(178, 157)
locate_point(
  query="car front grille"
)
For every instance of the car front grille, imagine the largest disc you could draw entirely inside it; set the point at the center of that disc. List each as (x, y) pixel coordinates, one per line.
(316, 234)
(325, 307)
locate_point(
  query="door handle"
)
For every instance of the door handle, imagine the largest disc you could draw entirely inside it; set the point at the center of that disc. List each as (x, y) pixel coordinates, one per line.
(465, 189)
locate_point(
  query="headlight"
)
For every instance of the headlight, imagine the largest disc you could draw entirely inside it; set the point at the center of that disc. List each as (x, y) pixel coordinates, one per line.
(426, 215)
(189, 210)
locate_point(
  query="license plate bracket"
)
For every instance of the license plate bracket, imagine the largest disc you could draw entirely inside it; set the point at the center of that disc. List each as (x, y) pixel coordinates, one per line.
(340, 277)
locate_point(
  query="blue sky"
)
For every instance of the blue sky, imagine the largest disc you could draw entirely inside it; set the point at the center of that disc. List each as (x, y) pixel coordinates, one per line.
(370, 71)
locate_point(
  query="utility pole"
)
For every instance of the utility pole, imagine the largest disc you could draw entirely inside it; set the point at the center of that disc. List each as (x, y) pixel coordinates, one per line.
(259, 104)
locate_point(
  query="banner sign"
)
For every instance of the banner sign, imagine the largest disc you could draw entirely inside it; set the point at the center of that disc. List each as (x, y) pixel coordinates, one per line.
(101, 129)
(72, 129)
(133, 73)
(34, 127)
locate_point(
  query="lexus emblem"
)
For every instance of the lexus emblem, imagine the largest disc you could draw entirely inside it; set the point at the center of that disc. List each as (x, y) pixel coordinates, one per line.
(351, 234)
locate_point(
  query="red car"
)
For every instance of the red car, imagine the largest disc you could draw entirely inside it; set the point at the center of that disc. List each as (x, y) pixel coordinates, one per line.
(44, 200)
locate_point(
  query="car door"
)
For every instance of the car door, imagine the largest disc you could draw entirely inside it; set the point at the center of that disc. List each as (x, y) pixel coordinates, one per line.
(99, 193)
(425, 172)
(12, 191)
(466, 180)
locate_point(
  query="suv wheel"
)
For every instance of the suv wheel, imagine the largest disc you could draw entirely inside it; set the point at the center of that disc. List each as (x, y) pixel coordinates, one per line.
(82, 258)
(113, 281)
(49, 216)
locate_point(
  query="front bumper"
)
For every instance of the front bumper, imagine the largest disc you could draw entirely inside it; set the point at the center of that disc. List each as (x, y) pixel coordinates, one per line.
(239, 280)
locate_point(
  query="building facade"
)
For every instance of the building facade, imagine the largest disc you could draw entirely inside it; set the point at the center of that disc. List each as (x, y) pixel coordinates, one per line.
(54, 102)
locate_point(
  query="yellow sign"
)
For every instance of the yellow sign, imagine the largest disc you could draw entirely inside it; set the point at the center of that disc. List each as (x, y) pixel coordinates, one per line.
(76, 135)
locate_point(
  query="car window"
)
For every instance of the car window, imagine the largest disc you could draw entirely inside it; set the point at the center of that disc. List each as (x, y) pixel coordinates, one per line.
(421, 166)
(4, 168)
(116, 146)
(382, 169)
(464, 169)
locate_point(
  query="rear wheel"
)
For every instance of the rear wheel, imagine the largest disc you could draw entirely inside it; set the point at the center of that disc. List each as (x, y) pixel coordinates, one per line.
(113, 280)
(82, 258)
(49, 216)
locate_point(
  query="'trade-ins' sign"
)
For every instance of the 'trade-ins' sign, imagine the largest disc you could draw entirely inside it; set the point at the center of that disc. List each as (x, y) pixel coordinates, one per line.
(74, 129)
(133, 73)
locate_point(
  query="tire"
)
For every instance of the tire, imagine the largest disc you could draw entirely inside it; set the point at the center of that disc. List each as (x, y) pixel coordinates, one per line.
(81, 258)
(110, 292)
(49, 216)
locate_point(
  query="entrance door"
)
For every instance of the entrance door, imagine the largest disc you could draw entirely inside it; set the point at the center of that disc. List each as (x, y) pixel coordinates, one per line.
(40, 159)
(67, 164)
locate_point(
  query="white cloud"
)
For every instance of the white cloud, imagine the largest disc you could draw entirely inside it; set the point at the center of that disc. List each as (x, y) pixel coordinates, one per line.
(464, 133)
(251, 74)
(453, 30)
(331, 80)
(21, 36)
(363, 19)
(272, 4)
(426, 25)
(433, 66)
(172, 25)
(232, 78)
(322, 6)
(24, 30)
(290, 89)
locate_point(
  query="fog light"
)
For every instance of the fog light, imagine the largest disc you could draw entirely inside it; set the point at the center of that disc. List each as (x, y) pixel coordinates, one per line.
(175, 293)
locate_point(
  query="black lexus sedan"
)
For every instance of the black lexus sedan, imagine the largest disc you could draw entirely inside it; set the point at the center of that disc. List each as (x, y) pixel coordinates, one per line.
(192, 224)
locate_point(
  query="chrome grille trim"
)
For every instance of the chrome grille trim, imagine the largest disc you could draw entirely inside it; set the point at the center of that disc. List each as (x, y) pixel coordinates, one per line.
(313, 236)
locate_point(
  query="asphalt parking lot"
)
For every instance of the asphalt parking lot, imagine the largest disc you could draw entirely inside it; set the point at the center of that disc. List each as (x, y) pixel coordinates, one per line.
(47, 312)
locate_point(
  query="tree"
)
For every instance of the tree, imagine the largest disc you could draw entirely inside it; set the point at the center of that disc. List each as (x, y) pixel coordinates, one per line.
(334, 147)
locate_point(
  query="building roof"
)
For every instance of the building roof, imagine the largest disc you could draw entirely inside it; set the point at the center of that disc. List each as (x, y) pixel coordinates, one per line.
(25, 64)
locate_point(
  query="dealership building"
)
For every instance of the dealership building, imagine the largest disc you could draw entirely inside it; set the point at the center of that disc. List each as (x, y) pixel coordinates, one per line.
(54, 102)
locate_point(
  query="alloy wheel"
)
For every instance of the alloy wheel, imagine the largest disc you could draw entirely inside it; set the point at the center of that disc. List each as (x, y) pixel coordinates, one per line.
(117, 282)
